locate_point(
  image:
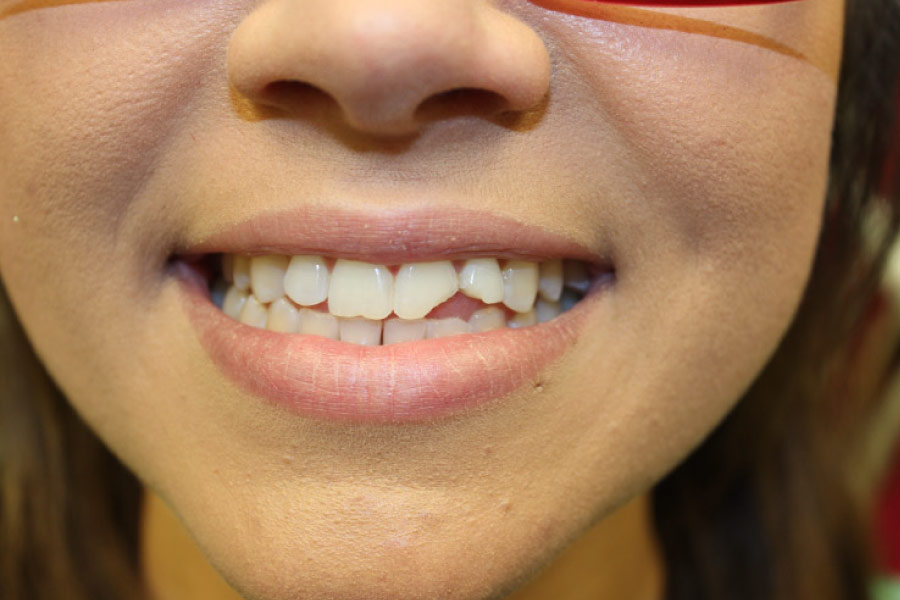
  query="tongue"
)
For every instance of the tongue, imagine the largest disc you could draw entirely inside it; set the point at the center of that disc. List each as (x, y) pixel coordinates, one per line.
(459, 305)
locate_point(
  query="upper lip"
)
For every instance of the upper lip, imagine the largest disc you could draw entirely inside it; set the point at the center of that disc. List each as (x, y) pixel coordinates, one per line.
(392, 236)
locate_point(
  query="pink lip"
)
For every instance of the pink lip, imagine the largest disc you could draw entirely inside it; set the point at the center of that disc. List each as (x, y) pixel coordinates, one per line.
(419, 381)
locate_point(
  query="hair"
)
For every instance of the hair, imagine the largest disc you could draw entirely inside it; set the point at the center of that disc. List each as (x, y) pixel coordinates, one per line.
(763, 509)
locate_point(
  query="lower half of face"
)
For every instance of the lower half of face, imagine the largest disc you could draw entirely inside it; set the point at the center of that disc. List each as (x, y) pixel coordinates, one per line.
(373, 339)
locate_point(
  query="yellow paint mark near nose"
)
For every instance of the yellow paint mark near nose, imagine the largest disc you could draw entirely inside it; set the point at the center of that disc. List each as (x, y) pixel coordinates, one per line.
(652, 19)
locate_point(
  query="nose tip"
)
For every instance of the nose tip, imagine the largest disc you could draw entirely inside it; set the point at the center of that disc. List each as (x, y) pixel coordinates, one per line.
(390, 66)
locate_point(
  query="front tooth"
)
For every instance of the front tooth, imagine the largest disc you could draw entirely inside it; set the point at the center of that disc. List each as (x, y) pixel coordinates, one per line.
(550, 283)
(438, 328)
(480, 278)
(360, 289)
(234, 301)
(487, 319)
(420, 287)
(267, 276)
(241, 272)
(520, 285)
(253, 313)
(283, 317)
(525, 319)
(546, 311)
(401, 330)
(306, 280)
(314, 322)
(576, 276)
(364, 332)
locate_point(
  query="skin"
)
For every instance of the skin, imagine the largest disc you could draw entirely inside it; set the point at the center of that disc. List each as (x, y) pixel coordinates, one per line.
(131, 128)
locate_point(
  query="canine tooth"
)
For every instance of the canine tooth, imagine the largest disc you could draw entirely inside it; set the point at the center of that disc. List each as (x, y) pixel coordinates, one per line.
(487, 319)
(242, 272)
(550, 283)
(314, 322)
(546, 310)
(254, 313)
(520, 285)
(438, 328)
(283, 317)
(267, 276)
(575, 276)
(480, 278)
(228, 267)
(234, 301)
(402, 330)
(360, 289)
(364, 332)
(419, 287)
(524, 319)
(306, 280)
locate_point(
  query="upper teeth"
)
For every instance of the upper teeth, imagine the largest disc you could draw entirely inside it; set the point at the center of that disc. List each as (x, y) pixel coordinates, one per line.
(355, 289)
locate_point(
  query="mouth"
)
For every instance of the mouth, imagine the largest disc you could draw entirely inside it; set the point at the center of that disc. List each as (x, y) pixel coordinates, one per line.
(327, 319)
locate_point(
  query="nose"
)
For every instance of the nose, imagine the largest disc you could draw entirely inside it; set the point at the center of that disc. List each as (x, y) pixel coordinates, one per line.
(391, 66)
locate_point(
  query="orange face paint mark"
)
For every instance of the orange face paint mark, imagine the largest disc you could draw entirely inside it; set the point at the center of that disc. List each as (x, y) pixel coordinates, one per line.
(14, 8)
(652, 19)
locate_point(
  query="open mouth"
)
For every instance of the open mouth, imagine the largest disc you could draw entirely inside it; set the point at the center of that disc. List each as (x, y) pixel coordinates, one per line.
(370, 304)
(374, 316)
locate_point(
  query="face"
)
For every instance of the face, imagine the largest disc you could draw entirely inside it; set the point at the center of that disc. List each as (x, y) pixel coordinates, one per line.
(678, 154)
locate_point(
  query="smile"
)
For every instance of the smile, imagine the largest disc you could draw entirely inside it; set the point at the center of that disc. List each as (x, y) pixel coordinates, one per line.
(310, 326)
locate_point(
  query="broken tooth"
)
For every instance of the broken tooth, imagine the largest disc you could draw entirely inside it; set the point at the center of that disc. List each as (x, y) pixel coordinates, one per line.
(359, 289)
(234, 301)
(283, 317)
(487, 319)
(523, 319)
(402, 330)
(306, 280)
(520, 285)
(419, 287)
(364, 332)
(550, 283)
(438, 328)
(546, 310)
(241, 272)
(267, 276)
(253, 313)
(313, 322)
(480, 278)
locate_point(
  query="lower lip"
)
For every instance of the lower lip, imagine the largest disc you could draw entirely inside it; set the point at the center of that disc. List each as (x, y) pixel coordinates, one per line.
(315, 377)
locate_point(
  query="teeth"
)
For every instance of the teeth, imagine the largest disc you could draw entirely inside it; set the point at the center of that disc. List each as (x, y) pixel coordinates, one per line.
(480, 278)
(487, 319)
(267, 276)
(241, 272)
(520, 285)
(401, 330)
(272, 291)
(546, 310)
(313, 322)
(253, 313)
(422, 286)
(306, 280)
(234, 302)
(576, 276)
(438, 328)
(360, 289)
(550, 283)
(364, 332)
(283, 317)
(525, 319)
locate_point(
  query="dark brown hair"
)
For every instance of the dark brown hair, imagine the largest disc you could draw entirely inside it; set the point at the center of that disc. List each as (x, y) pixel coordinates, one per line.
(763, 510)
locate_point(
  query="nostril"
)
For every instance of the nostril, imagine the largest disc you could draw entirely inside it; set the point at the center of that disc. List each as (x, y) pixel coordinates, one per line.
(461, 102)
(291, 94)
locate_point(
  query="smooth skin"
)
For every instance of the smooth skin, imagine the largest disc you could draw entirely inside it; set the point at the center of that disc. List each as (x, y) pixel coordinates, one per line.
(132, 128)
